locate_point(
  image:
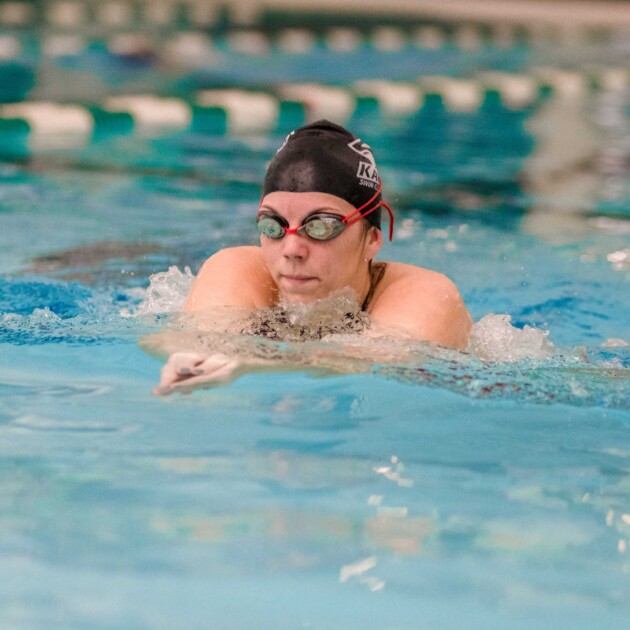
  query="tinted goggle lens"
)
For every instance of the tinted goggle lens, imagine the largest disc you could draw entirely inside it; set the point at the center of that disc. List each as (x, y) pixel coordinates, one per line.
(321, 227)
(269, 227)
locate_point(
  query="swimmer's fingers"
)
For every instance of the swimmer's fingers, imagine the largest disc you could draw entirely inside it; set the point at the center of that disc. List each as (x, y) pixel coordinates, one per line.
(217, 368)
(180, 366)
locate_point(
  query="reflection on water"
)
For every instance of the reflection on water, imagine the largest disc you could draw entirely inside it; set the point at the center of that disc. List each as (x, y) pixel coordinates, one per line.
(578, 169)
(37, 423)
(274, 534)
(89, 263)
(295, 539)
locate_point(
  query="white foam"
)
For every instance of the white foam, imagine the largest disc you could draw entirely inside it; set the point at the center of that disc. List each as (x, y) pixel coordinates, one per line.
(167, 292)
(39, 316)
(493, 338)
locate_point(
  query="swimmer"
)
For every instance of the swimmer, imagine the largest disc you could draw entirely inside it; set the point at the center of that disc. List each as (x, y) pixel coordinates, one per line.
(319, 222)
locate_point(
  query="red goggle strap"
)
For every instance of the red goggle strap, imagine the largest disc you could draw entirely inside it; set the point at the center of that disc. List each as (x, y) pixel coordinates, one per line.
(359, 213)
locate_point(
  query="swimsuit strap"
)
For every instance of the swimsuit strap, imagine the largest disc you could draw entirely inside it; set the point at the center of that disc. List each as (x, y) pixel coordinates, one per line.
(377, 271)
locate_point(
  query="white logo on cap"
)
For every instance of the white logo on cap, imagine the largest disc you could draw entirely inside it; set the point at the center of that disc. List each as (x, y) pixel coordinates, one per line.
(367, 172)
(284, 144)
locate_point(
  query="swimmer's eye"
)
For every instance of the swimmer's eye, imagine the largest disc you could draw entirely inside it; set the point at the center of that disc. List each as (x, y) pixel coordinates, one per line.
(323, 227)
(270, 226)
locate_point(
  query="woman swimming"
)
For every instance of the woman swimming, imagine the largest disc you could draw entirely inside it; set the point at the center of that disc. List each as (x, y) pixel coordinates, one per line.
(320, 229)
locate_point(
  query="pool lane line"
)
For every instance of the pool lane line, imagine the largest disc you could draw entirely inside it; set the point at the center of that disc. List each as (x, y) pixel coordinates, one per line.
(50, 125)
(465, 21)
(108, 14)
(11, 48)
(185, 46)
(64, 34)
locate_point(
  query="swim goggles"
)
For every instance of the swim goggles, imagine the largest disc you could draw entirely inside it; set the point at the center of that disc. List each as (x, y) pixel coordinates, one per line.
(321, 226)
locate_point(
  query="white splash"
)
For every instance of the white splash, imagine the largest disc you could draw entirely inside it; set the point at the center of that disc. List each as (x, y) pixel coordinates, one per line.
(166, 293)
(493, 338)
(40, 317)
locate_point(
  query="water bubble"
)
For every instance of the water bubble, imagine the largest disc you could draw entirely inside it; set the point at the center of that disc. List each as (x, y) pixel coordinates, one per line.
(493, 338)
(166, 293)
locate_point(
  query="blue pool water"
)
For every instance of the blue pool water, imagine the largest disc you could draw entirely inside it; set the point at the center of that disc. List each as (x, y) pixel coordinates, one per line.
(448, 492)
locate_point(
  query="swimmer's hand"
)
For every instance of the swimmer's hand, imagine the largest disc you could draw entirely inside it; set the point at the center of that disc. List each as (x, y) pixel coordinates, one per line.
(184, 371)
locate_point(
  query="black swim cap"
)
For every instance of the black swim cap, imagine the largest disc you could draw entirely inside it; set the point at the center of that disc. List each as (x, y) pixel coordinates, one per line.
(324, 157)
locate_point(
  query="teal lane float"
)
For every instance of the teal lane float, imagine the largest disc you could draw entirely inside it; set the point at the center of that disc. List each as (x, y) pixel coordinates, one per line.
(34, 125)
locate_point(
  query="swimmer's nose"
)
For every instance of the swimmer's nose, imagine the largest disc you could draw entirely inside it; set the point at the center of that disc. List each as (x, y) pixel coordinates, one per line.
(295, 246)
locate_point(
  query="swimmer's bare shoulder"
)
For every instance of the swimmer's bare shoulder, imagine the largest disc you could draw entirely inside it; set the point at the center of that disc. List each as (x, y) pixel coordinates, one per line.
(234, 276)
(423, 304)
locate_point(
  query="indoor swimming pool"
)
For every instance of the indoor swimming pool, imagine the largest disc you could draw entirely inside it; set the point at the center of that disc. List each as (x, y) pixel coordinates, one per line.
(485, 489)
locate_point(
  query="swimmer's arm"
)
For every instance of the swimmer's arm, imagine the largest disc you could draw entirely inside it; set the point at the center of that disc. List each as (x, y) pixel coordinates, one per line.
(185, 372)
(187, 369)
(426, 307)
(235, 276)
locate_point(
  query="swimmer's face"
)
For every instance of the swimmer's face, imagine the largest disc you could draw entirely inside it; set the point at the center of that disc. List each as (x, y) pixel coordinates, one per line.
(305, 269)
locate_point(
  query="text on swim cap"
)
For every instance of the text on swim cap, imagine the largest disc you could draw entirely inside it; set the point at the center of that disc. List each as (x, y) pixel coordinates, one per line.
(367, 173)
